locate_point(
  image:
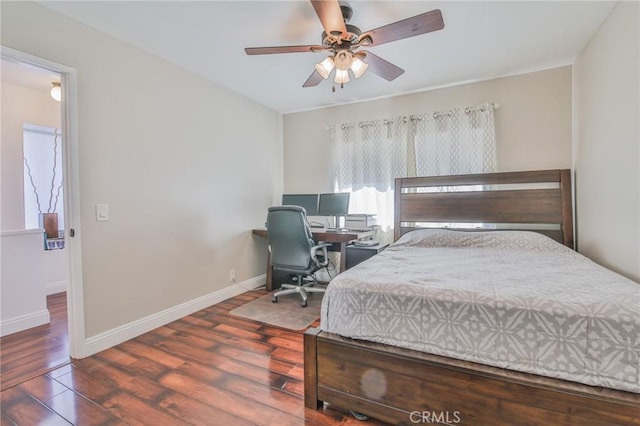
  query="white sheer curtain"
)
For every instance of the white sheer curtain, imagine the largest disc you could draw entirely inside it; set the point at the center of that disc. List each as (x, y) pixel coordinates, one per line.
(455, 142)
(370, 155)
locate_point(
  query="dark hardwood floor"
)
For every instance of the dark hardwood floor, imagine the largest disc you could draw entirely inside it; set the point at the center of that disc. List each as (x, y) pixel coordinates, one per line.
(33, 352)
(209, 368)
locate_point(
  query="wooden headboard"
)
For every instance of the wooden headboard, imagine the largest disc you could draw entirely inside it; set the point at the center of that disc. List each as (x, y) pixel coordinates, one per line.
(538, 201)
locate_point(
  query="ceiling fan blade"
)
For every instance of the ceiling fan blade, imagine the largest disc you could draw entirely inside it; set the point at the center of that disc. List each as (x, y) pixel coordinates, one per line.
(282, 49)
(314, 79)
(330, 16)
(382, 67)
(416, 25)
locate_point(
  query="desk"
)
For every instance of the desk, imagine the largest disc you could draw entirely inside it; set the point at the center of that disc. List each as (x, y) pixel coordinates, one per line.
(338, 239)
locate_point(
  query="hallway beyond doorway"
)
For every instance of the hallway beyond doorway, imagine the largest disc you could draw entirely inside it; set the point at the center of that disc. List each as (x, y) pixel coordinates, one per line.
(35, 351)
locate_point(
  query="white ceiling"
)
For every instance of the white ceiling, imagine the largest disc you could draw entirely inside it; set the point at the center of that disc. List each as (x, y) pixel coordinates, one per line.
(481, 40)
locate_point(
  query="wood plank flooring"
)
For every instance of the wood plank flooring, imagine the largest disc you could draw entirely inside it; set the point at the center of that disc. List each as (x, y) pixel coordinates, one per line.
(209, 368)
(33, 352)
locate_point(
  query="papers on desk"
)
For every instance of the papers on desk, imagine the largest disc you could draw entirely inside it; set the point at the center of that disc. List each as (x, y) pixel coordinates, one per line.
(365, 243)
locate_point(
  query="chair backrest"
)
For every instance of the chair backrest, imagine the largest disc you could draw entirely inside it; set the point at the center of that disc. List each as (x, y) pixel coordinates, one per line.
(289, 237)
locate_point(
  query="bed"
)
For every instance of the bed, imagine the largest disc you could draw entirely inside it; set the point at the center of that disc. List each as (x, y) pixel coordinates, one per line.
(432, 368)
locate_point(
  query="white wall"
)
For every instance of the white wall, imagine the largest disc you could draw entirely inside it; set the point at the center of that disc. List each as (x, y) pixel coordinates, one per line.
(607, 143)
(533, 125)
(23, 302)
(186, 167)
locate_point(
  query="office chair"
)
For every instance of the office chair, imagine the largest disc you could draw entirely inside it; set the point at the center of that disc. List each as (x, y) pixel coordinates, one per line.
(293, 251)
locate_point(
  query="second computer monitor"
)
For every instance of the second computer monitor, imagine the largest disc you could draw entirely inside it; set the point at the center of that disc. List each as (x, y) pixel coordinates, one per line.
(307, 201)
(334, 204)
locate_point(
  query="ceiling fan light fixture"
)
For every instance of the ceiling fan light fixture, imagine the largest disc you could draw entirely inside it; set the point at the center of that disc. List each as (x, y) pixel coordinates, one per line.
(325, 67)
(358, 67)
(343, 59)
(56, 91)
(341, 77)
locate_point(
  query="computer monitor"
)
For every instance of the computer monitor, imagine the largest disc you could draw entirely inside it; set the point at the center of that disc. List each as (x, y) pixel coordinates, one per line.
(334, 204)
(309, 202)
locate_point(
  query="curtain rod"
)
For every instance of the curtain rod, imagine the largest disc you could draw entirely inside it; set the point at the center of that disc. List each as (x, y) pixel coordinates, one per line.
(467, 110)
(483, 107)
(386, 121)
(436, 114)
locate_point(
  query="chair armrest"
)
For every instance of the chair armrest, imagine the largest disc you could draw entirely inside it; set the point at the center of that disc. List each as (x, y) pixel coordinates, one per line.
(322, 248)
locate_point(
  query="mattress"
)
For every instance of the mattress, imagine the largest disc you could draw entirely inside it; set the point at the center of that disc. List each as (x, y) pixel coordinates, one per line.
(510, 299)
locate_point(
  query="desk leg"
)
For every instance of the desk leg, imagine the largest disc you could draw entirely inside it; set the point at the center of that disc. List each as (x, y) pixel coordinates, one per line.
(269, 284)
(343, 257)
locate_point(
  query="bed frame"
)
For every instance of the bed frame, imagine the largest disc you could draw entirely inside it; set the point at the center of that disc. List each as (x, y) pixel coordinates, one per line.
(402, 386)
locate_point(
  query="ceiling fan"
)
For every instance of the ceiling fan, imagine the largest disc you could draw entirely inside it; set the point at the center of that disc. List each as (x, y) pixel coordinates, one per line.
(344, 42)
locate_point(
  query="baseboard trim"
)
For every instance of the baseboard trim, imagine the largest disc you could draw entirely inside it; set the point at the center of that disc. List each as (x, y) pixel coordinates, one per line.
(24, 322)
(57, 287)
(133, 329)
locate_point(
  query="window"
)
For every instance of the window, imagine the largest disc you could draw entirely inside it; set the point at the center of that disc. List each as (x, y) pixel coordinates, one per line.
(42, 164)
(370, 155)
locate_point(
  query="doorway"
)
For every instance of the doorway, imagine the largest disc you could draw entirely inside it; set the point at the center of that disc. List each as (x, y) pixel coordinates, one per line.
(65, 306)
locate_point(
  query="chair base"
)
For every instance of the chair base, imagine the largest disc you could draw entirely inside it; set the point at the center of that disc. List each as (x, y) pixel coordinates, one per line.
(301, 289)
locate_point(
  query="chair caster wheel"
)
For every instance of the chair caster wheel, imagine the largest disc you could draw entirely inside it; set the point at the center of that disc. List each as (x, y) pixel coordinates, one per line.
(304, 304)
(359, 416)
(274, 299)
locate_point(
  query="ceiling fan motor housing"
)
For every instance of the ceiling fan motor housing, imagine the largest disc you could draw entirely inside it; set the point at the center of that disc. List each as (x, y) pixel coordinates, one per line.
(353, 33)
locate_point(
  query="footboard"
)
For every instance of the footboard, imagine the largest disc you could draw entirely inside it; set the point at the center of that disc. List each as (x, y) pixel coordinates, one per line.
(401, 386)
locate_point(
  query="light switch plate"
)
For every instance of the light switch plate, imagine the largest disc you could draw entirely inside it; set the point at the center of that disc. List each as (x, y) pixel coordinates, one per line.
(102, 212)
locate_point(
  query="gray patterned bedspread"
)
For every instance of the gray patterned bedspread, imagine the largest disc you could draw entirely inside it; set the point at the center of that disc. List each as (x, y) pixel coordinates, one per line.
(515, 300)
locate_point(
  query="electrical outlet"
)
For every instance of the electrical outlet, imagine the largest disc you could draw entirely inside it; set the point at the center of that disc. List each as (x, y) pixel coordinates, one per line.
(232, 275)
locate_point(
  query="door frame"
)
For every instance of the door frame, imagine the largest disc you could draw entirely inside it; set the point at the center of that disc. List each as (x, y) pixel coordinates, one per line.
(71, 185)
